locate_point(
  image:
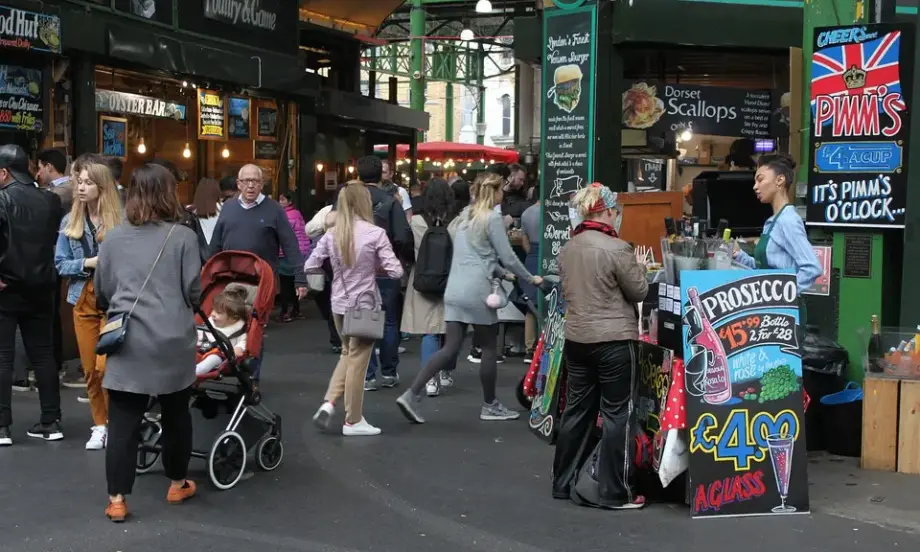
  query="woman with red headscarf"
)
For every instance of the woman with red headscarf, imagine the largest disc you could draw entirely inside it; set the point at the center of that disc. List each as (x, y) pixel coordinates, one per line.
(601, 282)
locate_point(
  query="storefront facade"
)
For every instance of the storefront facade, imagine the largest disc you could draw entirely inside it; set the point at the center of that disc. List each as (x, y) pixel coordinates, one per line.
(192, 85)
(30, 43)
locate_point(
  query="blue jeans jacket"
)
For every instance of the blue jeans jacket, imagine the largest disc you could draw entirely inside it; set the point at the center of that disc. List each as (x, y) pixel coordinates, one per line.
(68, 259)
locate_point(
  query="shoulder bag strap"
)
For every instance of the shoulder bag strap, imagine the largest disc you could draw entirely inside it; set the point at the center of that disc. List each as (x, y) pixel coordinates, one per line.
(149, 274)
(88, 250)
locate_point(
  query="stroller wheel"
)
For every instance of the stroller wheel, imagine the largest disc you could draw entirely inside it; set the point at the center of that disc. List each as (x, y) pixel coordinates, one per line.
(227, 460)
(269, 453)
(148, 451)
(523, 399)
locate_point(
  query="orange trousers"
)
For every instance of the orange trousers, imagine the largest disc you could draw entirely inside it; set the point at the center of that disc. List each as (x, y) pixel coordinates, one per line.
(88, 321)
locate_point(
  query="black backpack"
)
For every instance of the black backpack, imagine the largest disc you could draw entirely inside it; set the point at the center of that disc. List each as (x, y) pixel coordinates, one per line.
(432, 267)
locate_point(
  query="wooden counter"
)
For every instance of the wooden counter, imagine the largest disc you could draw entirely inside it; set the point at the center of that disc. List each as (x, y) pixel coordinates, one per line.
(644, 214)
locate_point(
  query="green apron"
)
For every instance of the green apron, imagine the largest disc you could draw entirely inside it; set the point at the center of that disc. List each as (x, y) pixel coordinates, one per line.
(760, 260)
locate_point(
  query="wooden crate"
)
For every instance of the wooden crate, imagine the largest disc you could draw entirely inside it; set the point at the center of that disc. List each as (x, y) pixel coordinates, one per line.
(880, 423)
(891, 424)
(909, 428)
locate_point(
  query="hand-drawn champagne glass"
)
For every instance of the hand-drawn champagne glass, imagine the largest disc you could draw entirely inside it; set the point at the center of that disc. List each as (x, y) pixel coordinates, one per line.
(781, 447)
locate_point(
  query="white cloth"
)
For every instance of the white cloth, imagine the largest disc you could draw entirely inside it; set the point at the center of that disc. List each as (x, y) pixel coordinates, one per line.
(255, 203)
(317, 225)
(404, 198)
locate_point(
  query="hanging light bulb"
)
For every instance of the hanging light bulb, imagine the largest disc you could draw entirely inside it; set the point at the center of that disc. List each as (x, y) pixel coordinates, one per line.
(351, 169)
(483, 6)
(142, 147)
(686, 135)
(464, 171)
(482, 161)
(187, 152)
(319, 166)
(427, 159)
(225, 153)
(185, 84)
(467, 34)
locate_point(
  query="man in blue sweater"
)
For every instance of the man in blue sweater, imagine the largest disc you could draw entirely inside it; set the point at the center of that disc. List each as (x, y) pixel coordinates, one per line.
(257, 224)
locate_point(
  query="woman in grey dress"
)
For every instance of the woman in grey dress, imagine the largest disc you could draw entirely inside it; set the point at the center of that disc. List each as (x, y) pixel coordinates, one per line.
(149, 269)
(482, 253)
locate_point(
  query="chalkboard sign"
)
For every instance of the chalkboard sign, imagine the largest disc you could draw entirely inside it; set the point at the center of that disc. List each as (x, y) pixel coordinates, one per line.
(211, 115)
(266, 150)
(238, 118)
(266, 123)
(568, 121)
(545, 411)
(113, 137)
(743, 393)
(857, 256)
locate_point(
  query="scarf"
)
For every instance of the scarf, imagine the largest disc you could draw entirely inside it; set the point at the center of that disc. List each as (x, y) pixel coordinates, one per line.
(597, 227)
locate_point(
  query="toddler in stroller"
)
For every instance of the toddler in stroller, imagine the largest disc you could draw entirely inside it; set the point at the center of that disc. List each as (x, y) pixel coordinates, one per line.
(237, 299)
(229, 314)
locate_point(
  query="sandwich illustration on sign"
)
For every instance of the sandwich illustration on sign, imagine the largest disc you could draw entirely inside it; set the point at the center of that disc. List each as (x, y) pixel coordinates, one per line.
(566, 90)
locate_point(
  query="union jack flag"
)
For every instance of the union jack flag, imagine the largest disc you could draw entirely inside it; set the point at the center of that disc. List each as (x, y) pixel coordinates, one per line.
(878, 58)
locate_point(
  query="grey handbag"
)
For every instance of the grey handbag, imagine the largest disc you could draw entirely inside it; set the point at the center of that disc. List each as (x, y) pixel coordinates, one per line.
(362, 324)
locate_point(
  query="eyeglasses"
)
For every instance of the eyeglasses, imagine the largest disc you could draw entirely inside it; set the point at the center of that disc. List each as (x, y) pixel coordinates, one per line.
(249, 181)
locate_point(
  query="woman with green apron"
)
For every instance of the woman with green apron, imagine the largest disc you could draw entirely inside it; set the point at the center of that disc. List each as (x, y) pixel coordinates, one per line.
(784, 243)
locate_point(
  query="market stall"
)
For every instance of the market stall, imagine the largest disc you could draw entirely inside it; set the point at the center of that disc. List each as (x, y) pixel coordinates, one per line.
(725, 400)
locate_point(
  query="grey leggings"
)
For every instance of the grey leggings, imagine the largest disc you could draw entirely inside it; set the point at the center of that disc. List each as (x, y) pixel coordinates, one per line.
(445, 359)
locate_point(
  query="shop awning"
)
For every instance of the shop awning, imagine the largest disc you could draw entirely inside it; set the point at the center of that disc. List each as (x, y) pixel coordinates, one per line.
(356, 16)
(438, 151)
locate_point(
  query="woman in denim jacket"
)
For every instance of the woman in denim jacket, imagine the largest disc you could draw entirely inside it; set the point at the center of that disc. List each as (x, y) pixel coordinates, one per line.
(96, 209)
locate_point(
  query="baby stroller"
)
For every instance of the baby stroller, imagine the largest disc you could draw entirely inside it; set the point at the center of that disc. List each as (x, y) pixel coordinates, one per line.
(229, 389)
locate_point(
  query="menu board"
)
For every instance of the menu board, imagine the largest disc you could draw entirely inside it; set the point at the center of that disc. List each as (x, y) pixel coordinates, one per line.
(266, 122)
(860, 124)
(29, 31)
(238, 118)
(568, 121)
(113, 137)
(545, 409)
(21, 104)
(744, 400)
(211, 115)
(700, 109)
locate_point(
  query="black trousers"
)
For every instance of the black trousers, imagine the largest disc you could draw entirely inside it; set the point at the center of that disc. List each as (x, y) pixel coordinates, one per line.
(289, 303)
(323, 301)
(32, 311)
(126, 410)
(599, 377)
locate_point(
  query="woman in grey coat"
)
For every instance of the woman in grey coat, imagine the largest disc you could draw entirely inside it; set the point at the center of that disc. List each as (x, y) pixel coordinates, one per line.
(482, 253)
(149, 269)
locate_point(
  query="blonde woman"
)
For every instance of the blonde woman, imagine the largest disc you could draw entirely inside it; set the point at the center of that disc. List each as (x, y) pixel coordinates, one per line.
(96, 210)
(355, 248)
(601, 283)
(482, 253)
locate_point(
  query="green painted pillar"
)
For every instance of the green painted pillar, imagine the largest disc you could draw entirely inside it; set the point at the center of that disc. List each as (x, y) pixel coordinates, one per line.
(480, 78)
(910, 291)
(449, 113)
(859, 298)
(418, 30)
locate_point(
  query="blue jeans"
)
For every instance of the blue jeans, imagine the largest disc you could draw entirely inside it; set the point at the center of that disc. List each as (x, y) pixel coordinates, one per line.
(431, 344)
(389, 345)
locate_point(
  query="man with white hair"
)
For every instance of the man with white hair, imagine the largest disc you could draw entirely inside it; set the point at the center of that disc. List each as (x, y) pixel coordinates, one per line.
(258, 224)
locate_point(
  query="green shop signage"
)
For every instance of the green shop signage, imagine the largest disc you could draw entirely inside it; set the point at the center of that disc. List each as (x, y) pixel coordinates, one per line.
(568, 118)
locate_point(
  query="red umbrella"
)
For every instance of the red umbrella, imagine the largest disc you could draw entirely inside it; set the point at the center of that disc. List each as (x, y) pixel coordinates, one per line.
(458, 152)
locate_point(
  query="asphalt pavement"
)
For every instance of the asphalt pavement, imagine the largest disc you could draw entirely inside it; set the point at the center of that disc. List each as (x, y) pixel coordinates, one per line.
(455, 483)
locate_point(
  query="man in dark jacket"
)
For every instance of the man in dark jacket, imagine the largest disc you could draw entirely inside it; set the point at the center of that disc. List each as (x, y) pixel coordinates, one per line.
(29, 220)
(389, 215)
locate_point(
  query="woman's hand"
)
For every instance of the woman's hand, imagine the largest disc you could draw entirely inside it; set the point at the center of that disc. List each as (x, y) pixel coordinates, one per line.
(90, 263)
(537, 280)
(508, 276)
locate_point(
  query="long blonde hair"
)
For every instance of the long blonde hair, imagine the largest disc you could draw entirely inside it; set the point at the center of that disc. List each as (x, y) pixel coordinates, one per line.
(354, 205)
(109, 203)
(484, 191)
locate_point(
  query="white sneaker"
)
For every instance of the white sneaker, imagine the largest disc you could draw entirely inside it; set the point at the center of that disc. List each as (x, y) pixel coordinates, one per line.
(445, 379)
(433, 387)
(360, 429)
(97, 438)
(321, 418)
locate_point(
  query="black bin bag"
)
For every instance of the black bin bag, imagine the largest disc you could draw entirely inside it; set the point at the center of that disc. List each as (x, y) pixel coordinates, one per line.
(823, 363)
